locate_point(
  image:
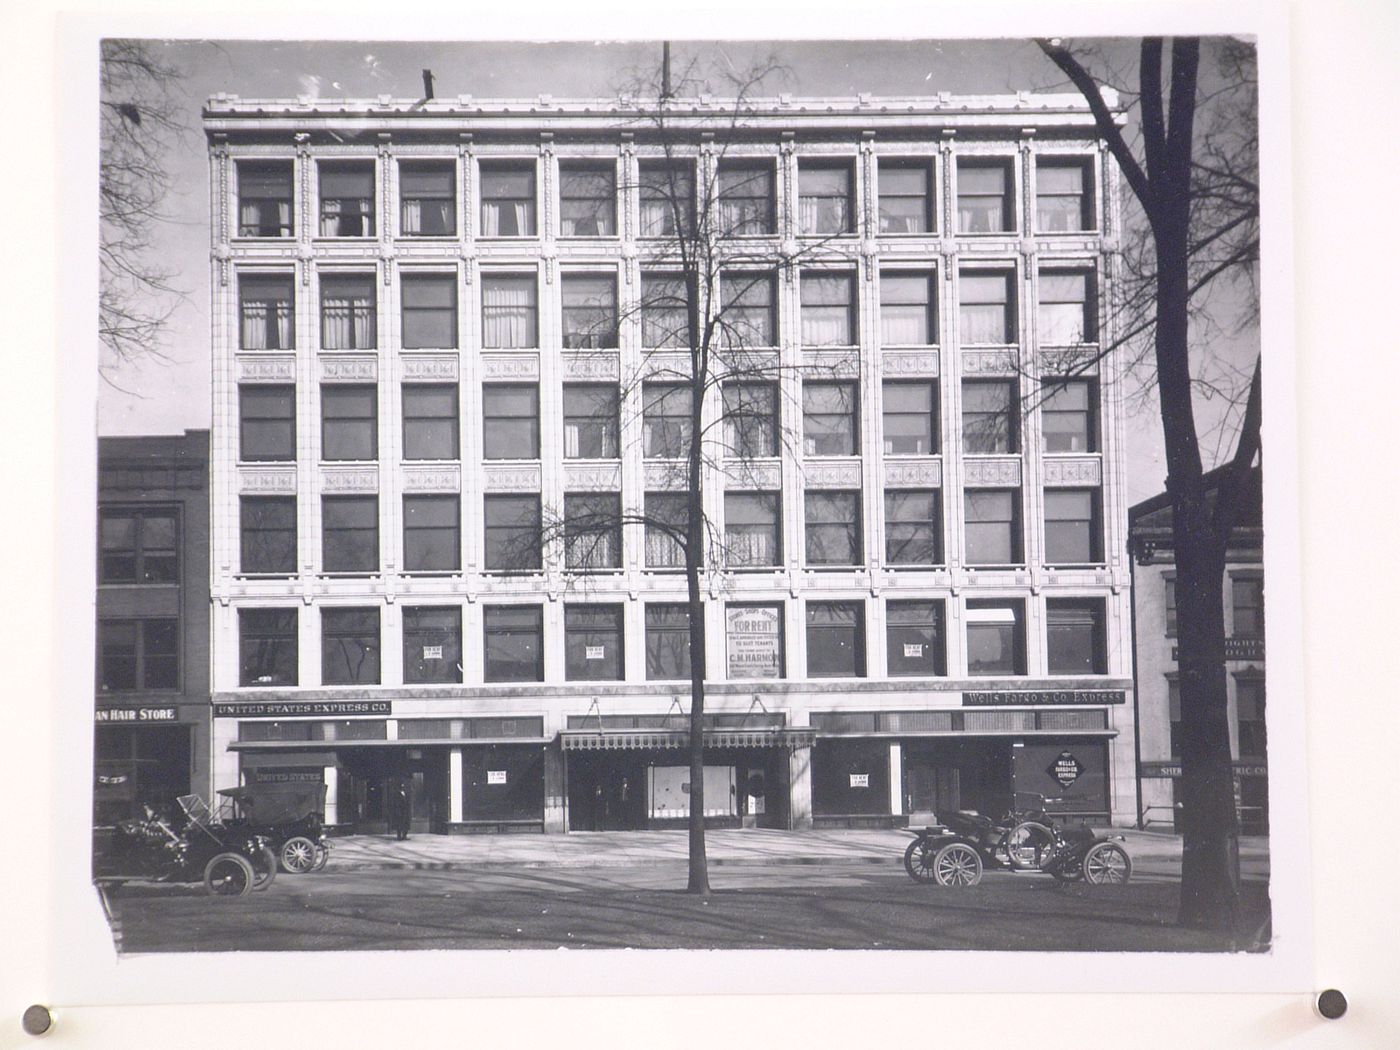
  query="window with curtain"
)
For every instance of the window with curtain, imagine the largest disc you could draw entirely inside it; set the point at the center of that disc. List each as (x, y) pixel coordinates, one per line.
(512, 533)
(427, 198)
(666, 517)
(429, 311)
(989, 416)
(267, 535)
(1063, 201)
(906, 309)
(267, 647)
(350, 534)
(906, 194)
(1068, 420)
(984, 196)
(508, 200)
(348, 315)
(835, 640)
(590, 421)
(593, 530)
(264, 198)
(349, 422)
(830, 424)
(430, 429)
(913, 528)
(663, 308)
(1066, 312)
(746, 200)
(828, 310)
(510, 421)
(350, 646)
(347, 199)
(909, 417)
(824, 199)
(589, 311)
(514, 643)
(666, 196)
(508, 312)
(914, 638)
(665, 420)
(991, 526)
(432, 533)
(750, 420)
(832, 526)
(587, 200)
(1074, 636)
(267, 423)
(265, 305)
(752, 529)
(432, 644)
(996, 638)
(746, 316)
(593, 643)
(986, 313)
(1072, 532)
(668, 641)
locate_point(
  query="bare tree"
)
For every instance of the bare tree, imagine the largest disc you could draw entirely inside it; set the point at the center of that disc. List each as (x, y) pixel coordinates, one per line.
(709, 389)
(140, 123)
(1196, 184)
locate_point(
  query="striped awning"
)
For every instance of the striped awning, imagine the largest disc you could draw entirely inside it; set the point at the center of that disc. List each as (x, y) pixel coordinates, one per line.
(655, 739)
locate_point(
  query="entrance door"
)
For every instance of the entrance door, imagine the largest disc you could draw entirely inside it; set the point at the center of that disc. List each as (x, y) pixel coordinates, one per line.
(931, 787)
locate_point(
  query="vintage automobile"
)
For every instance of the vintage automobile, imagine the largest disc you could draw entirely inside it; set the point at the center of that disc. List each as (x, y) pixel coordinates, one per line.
(955, 852)
(288, 815)
(228, 861)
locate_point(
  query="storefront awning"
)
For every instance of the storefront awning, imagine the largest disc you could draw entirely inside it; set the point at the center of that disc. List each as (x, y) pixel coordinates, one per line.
(649, 739)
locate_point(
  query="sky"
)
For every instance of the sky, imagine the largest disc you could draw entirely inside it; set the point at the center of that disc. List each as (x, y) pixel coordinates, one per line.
(171, 395)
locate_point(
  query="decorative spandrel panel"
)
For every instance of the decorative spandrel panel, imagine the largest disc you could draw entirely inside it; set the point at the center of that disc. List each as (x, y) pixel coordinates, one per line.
(994, 471)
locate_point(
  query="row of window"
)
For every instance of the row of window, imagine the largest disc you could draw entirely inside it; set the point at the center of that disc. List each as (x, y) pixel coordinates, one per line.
(670, 201)
(592, 421)
(513, 642)
(746, 312)
(514, 532)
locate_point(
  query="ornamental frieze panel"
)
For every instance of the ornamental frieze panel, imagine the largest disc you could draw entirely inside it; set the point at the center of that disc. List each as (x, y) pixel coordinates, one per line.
(511, 366)
(264, 369)
(749, 364)
(513, 479)
(268, 481)
(919, 473)
(664, 476)
(664, 366)
(830, 364)
(593, 477)
(909, 364)
(602, 367)
(989, 471)
(432, 479)
(1086, 470)
(1069, 362)
(348, 369)
(349, 479)
(989, 362)
(831, 475)
(765, 477)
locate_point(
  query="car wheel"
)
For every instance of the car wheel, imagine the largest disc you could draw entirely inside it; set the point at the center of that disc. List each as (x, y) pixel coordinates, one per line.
(228, 875)
(298, 855)
(957, 864)
(918, 860)
(1107, 864)
(323, 854)
(264, 868)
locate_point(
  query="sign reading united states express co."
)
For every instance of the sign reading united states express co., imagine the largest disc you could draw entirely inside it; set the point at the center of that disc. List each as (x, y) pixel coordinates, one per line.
(303, 708)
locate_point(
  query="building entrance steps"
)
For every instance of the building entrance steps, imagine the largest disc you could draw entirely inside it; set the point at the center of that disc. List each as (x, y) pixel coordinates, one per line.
(621, 849)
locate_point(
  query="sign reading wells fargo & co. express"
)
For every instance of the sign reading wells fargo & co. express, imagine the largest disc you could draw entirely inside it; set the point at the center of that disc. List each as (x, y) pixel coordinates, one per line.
(302, 708)
(136, 714)
(1035, 697)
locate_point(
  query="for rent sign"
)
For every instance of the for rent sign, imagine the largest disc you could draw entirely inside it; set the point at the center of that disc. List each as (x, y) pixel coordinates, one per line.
(755, 640)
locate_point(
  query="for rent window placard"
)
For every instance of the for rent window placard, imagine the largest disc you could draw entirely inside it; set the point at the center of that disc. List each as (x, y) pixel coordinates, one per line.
(860, 780)
(755, 642)
(495, 776)
(432, 652)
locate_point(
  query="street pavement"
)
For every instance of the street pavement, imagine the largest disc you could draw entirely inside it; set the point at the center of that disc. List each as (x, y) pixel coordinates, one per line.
(770, 889)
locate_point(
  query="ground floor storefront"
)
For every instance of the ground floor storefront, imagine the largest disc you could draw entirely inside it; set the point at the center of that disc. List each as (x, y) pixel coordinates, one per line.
(1160, 790)
(146, 757)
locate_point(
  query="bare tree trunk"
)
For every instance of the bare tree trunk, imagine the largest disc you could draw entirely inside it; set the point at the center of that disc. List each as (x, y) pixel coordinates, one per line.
(699, 878)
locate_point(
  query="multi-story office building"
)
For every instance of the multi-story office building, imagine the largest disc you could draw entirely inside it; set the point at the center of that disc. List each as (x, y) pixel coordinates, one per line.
(432, 342)
(152, 710)
(1157, 700)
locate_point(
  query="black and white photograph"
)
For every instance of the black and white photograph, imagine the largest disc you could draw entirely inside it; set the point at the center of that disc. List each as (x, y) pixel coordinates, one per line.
(681, 513)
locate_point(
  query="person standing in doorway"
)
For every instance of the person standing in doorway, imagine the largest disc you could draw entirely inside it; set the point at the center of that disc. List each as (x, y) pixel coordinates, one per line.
(399, 810)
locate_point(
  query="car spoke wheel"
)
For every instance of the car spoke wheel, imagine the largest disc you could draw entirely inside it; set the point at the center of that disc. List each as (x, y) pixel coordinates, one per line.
(298, 855)
(228, 875)
(957, 864)
(264, 864)
(918, 860)
(1028, 845)
(323, 854)
(1107, 864)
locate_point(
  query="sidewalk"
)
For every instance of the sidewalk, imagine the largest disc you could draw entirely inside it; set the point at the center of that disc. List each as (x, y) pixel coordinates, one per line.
(621, 849)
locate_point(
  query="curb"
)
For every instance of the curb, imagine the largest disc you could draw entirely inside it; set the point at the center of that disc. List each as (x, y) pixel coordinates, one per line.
(721, 862)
